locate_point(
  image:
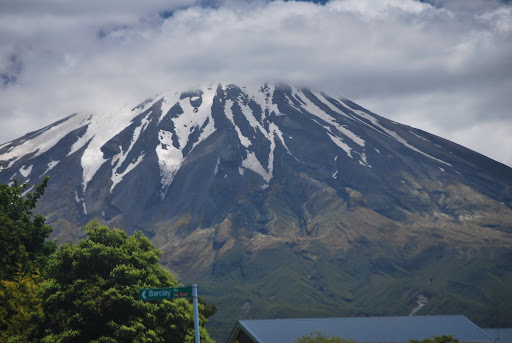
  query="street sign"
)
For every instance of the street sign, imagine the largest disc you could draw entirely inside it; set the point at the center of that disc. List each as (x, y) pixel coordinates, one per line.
(165, 293)
(174, 293)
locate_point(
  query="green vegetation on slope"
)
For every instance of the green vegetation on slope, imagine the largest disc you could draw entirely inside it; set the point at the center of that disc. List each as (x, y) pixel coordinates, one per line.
(348, 261)
(367, 281)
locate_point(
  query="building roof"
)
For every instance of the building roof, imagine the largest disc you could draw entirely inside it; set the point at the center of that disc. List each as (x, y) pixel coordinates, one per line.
(366, 329)
(500, 335)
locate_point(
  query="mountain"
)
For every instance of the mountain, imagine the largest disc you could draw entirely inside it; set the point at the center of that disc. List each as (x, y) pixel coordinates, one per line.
(285, 202)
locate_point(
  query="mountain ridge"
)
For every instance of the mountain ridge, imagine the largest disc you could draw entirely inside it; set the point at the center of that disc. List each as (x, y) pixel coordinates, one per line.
(301, 203)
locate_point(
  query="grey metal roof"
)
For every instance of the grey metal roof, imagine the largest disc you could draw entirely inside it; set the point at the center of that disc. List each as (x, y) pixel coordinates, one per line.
(500, 335)
(367, 329)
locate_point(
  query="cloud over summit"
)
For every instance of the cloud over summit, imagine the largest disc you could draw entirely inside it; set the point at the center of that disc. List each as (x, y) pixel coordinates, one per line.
(442, 66)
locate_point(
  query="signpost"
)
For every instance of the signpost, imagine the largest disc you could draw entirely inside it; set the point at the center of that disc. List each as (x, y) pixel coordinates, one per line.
(151, 294)
(165, 293)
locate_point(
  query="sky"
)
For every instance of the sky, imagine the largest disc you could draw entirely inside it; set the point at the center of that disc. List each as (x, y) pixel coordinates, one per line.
(443, 66)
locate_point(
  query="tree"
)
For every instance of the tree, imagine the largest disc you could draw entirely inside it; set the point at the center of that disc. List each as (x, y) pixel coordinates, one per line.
(318, 337)
(437, 339)
(92, 293)
(24, 250)
(19, 305)
(24, 246)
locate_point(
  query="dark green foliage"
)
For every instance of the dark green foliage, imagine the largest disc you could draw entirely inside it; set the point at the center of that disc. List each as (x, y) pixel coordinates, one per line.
(437, 339)
(92, 293)
(23, 252)
(317, 337)
(23, 247)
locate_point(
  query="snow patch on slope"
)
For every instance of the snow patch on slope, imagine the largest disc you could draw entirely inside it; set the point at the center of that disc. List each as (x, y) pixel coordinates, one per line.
(229, 114)
(28, 190)
(168, 101)
(171, 158)
(363, 161)
(46, 139)
(116, 177)
(263, 95)
(50, 166)
(319, 113)
(326, 102)
(340, 143)
(101, 129)
(420, 137)
(217, 166)
(252, 163)
(273, 131)
(81, 141)
(118, 160)
(25, 171)
(193, 117)
(80, 201)
(273, 128)
(390, 133)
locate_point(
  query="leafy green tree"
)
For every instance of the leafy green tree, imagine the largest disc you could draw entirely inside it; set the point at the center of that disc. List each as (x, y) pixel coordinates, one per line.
(317, 337)
(24, 247)
(92, 293)
(19, 305)
(24, 250)
(437, 339)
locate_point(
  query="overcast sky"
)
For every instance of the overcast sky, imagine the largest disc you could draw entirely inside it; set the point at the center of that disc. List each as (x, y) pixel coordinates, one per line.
(444, 66)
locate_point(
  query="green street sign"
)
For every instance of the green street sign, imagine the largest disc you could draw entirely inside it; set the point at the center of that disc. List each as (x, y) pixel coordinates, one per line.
(173, 293)
(165, 293)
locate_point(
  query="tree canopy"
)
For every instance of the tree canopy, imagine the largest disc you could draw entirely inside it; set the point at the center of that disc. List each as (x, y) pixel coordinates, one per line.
(24, 250)
(24, 244)
(92, 293)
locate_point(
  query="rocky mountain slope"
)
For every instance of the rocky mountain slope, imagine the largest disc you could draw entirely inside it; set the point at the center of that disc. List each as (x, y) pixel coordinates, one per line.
(285, 202)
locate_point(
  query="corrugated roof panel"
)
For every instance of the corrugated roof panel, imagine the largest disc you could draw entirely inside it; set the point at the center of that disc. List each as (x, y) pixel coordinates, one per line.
(370, 329)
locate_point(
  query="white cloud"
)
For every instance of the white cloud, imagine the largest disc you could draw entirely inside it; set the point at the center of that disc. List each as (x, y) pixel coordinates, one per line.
(445, 68)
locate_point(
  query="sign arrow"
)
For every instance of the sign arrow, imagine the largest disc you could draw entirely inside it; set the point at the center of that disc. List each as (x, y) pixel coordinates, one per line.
(144, 294)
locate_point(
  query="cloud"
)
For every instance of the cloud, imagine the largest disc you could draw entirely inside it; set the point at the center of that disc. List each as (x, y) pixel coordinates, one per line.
(442, 66)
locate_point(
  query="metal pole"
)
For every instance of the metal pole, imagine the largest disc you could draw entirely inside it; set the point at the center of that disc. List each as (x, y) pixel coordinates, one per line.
(196, 312)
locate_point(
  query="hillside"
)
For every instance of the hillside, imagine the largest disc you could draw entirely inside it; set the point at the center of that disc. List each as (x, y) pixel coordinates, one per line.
(285, 202)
